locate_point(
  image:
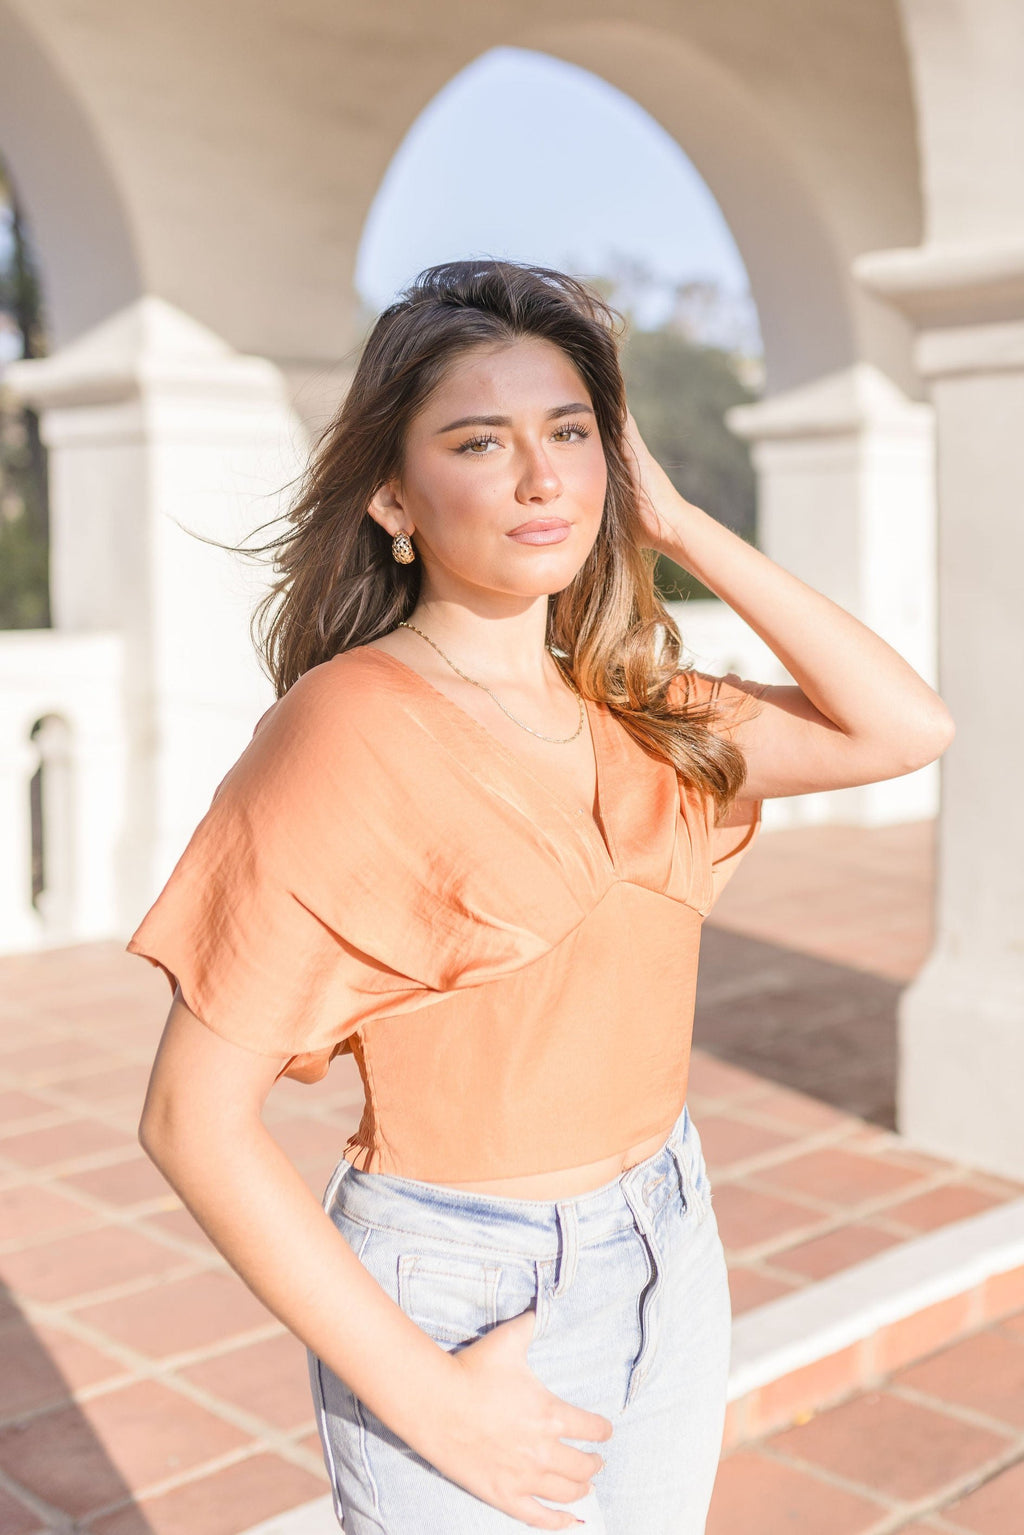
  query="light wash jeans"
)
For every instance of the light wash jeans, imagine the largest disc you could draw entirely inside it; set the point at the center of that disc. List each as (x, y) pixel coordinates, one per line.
(633, 1322)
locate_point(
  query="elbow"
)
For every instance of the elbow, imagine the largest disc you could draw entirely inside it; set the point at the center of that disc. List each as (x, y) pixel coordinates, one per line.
(148, 1134)
(183, 1132)
(156, 1130)
(932, 742)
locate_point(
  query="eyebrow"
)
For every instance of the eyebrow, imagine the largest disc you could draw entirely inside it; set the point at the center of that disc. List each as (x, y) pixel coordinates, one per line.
(559, 410)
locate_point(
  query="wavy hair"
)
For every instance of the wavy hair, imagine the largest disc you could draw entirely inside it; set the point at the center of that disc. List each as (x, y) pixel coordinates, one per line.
(339, 587)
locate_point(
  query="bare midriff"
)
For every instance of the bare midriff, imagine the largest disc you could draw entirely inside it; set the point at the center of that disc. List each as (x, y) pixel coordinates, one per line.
(563, 1184)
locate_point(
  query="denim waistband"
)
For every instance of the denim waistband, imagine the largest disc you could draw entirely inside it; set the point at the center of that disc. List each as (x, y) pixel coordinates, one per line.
(534, 1228)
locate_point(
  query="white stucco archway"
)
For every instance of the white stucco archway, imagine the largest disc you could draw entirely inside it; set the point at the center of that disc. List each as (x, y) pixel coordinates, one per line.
(272, 136)
(79, 221)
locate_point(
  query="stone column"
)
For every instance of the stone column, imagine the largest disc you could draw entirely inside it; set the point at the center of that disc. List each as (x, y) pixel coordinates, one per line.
(962, 1020)
(156, 429)
(847, 503)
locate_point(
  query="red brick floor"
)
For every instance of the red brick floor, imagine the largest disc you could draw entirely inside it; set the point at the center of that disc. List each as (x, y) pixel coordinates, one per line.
(939, 1446)
(803, 1190)
(145, 1389)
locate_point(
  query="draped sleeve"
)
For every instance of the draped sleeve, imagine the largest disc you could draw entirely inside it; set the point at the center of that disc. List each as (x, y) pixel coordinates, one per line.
(718, 850)
(332, 881)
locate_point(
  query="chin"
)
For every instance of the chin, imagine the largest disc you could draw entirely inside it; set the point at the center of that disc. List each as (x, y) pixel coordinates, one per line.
(542, 573)
(545, 583)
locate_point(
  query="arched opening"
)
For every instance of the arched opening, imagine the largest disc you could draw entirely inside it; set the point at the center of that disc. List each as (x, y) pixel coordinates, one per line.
(83, 243)
(568, 171)
(66, 261)
(24, 489)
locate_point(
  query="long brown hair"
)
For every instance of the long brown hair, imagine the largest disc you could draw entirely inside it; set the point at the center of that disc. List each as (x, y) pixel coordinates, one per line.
(339, 586)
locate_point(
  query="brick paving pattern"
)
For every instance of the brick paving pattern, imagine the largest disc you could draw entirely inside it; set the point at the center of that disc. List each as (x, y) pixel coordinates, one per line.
(146, 1390)
(938, 1446)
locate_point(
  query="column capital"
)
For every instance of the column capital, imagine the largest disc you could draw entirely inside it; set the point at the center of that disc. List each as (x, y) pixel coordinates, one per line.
(841, 404)
(148, 348)
(976, 282)
(151, 372)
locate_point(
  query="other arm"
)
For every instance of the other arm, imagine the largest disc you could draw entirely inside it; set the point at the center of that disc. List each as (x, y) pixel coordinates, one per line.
(201, 1125)
(479, 1415)
(859, 714)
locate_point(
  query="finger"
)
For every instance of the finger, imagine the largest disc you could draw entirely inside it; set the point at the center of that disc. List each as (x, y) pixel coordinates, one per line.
(580, 1465)
(562, 1489)
(530, 1512)
(591, 1425)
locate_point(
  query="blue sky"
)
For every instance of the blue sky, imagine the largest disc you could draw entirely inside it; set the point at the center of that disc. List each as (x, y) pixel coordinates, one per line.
(525, 156)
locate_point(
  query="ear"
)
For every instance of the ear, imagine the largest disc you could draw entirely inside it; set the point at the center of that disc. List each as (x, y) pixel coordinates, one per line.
(386, 508)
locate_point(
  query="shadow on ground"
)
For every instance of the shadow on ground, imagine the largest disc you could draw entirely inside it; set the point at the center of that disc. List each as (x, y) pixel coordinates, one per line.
(49, 1451)
(804, 1022)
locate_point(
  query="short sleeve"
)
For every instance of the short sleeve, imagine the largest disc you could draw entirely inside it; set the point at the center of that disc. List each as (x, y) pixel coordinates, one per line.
(244, 923)
(737, 699)
(332, 881)
(270, 921)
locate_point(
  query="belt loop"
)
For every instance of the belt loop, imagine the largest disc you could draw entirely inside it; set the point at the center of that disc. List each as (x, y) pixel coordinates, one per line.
(681, 1145)
(568, 1244)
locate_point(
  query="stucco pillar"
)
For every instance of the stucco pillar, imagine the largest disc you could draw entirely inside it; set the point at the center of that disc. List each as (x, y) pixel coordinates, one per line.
(962, 1020)
(156, 429)
(846, 501)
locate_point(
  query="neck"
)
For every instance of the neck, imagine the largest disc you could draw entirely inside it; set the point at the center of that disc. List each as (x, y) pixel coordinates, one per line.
(509, 648)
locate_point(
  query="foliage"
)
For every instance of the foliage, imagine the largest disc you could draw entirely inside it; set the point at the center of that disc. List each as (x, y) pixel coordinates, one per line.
(679, 393)
(24, 515)
(681, 377)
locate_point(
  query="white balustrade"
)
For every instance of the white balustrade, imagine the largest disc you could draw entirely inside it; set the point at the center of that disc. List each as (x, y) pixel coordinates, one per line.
(67, 688)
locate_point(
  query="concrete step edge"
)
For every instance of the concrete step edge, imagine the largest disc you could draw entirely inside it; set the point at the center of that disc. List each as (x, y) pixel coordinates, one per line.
(786, 1334)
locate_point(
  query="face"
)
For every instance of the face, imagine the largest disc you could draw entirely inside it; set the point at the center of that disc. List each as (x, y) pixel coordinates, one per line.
(509, 505)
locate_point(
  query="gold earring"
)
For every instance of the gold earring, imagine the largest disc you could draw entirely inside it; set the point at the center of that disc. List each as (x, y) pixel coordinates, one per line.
(402, 549)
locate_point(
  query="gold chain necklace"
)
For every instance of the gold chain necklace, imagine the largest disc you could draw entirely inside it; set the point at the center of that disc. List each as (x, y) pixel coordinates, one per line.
(556, 740)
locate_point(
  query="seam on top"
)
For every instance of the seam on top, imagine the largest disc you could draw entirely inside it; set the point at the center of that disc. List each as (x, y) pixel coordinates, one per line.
(439, 996)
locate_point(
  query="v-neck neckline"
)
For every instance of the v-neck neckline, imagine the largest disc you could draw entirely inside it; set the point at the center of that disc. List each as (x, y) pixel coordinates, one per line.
(576, 813)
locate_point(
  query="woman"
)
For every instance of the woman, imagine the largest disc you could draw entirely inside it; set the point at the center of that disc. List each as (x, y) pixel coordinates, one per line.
(473, 843)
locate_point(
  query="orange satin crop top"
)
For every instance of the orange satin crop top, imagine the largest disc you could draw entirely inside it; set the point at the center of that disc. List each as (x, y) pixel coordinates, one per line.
(378, 874)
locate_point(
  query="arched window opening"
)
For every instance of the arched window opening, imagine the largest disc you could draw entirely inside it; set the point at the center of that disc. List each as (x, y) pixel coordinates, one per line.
(51, 811)
(24, 496)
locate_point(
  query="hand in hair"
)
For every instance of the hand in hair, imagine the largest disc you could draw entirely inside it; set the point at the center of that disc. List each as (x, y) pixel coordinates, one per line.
(658, 500)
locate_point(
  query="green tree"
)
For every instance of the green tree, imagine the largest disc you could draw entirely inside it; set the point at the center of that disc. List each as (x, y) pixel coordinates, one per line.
(681, 377)
(679, 392)
(24, 500)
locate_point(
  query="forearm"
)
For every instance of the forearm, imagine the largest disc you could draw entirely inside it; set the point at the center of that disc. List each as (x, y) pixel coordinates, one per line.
(853, 676)
(262, 1217)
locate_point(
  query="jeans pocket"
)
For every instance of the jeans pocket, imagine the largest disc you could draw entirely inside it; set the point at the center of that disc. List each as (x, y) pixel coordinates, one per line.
(451, 1297)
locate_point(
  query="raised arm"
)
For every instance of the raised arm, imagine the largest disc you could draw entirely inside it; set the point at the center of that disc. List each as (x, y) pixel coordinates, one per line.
(859, 712)
(479, 1415)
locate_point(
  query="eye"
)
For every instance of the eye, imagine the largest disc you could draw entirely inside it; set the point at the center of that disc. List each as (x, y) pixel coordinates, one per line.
(574, 426)
(477, 442)
(475, 447)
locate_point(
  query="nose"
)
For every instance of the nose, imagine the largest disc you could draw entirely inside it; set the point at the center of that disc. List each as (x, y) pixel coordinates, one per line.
(538, 482)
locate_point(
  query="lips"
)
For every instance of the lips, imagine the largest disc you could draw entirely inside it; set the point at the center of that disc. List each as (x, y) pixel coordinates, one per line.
(541, 530)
